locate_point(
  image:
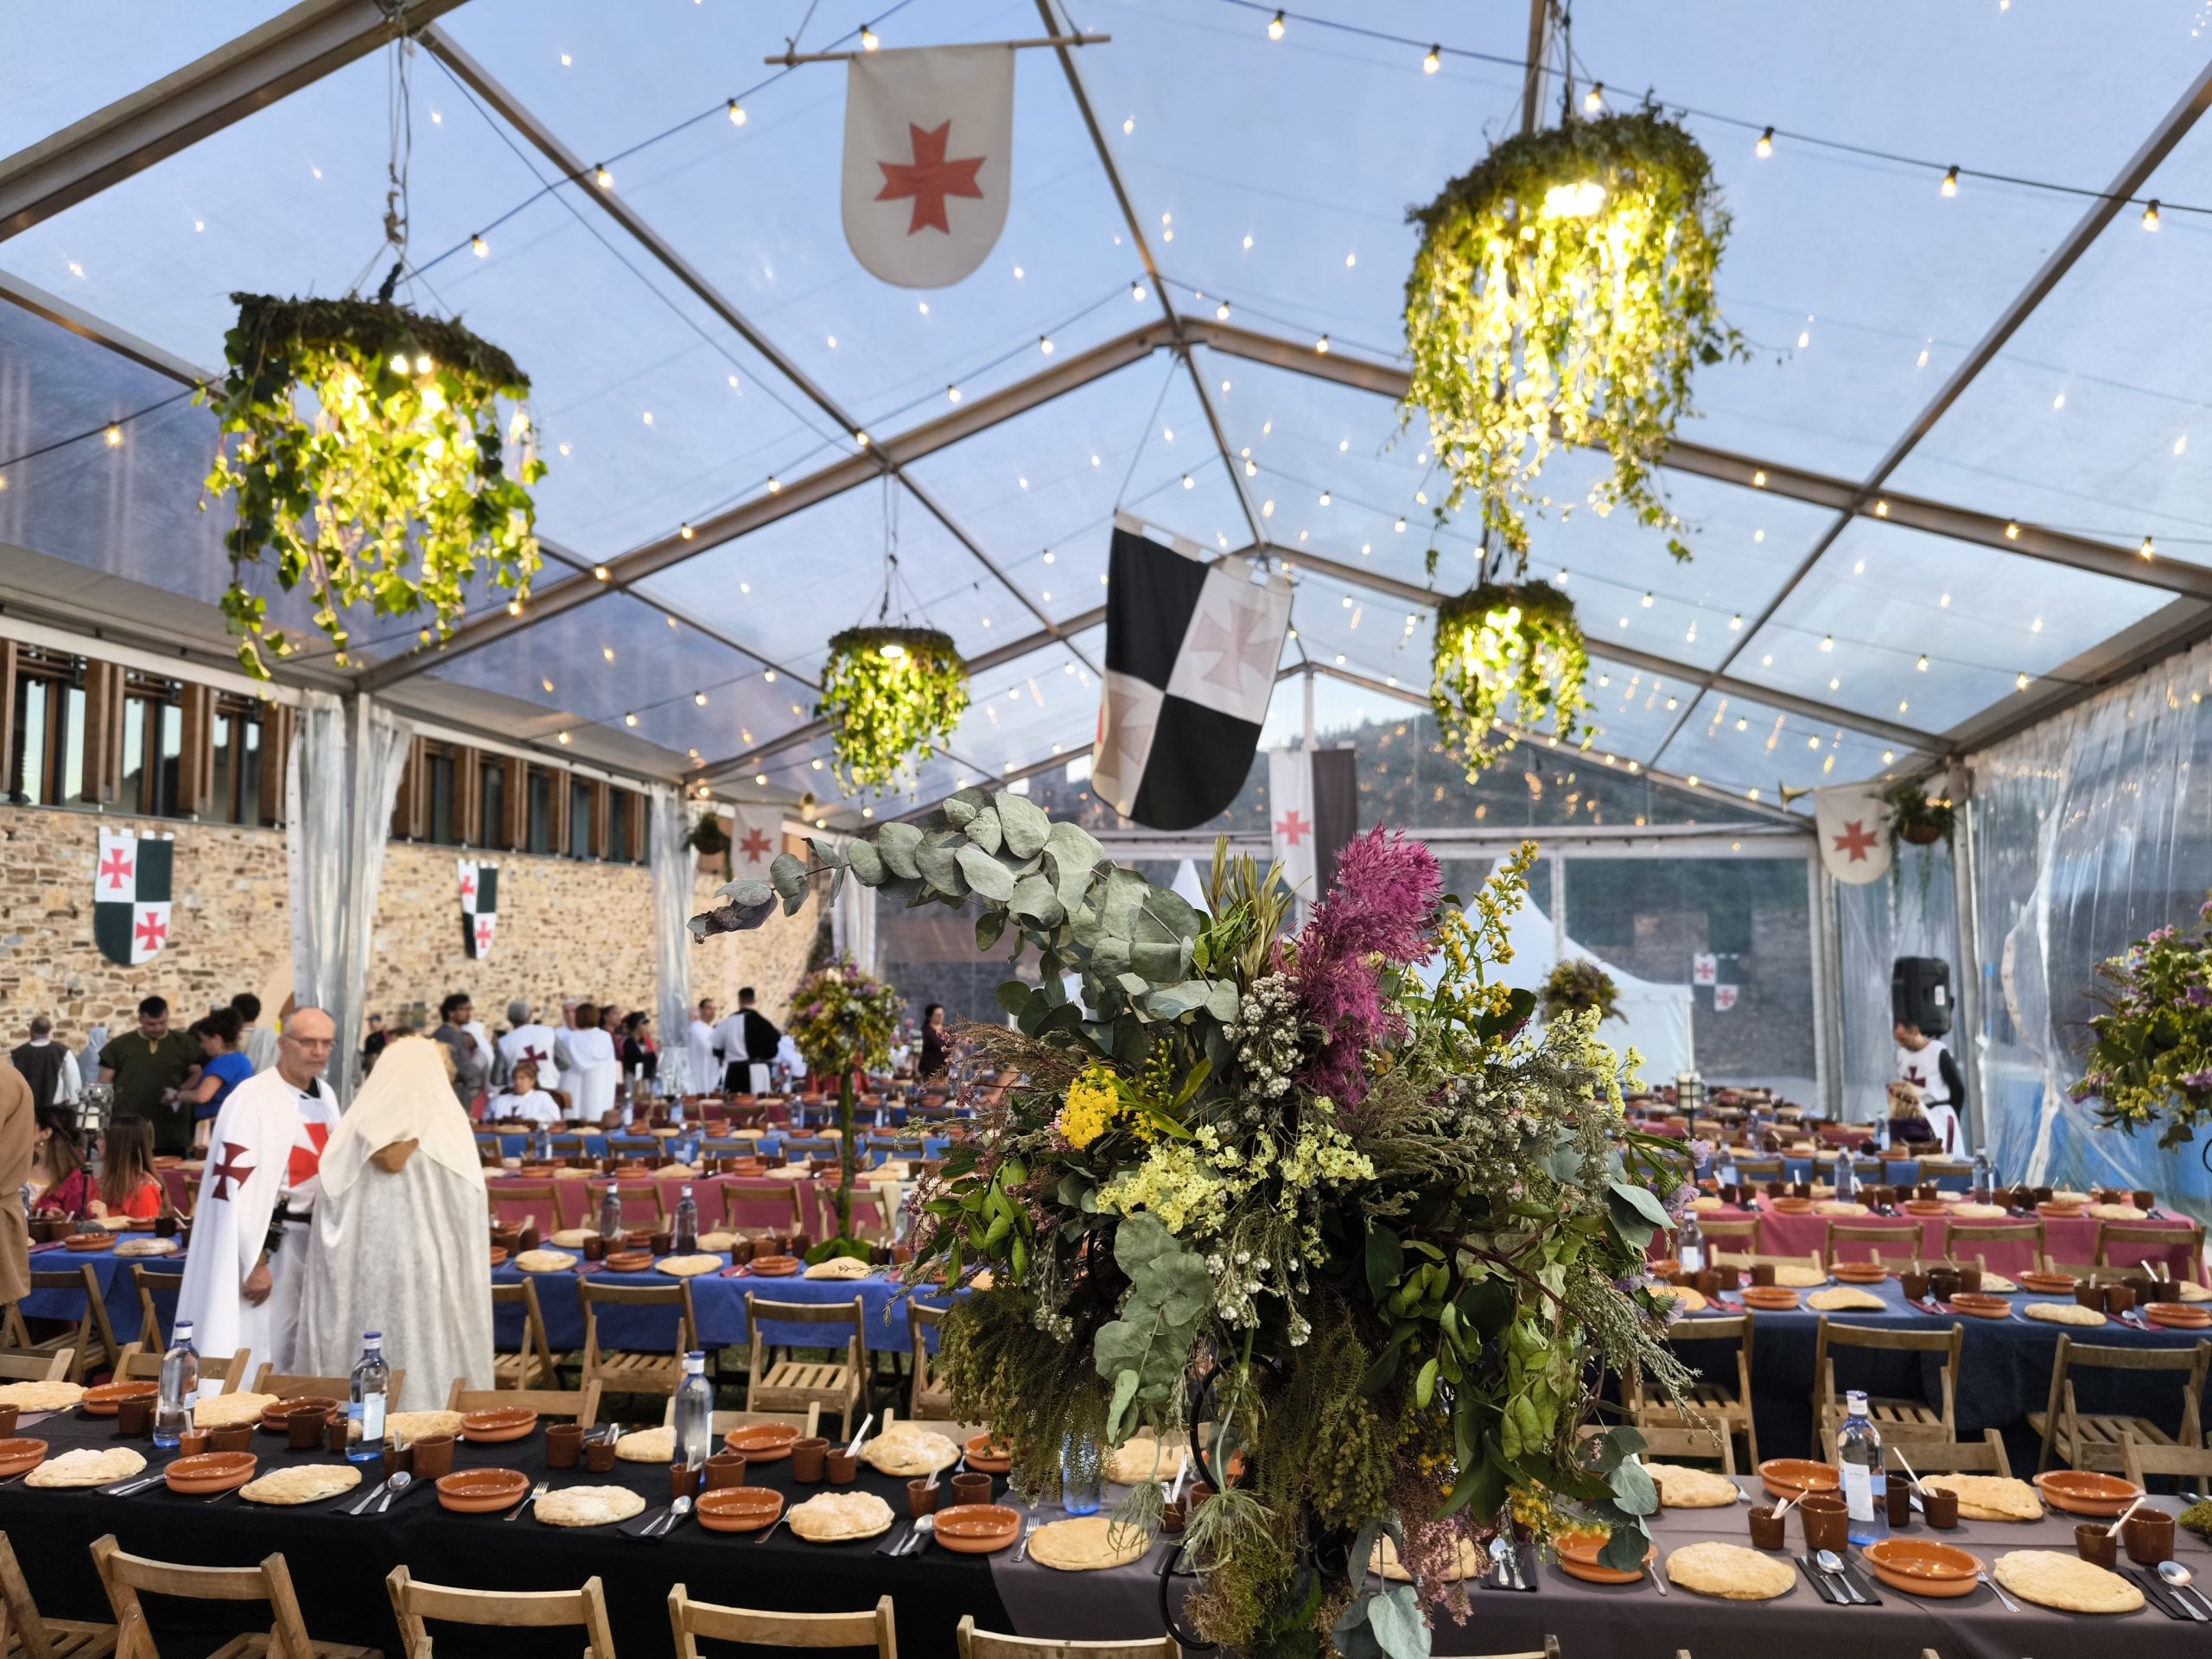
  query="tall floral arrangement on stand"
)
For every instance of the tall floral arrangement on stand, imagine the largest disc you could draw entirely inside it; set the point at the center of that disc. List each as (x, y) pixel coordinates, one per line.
(2150, 1063)
(1318, 1201)
(843, 1021)
(1580, 986)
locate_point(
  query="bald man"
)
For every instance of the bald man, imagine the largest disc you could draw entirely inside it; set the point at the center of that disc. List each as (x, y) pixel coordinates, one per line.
(252, 1226)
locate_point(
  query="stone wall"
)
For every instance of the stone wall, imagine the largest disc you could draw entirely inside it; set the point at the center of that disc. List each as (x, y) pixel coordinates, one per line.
(566, 928)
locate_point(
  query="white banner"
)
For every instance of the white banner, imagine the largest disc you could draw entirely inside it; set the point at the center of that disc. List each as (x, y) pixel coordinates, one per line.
(756, 835)
(1855, 830)
(1290, 819)
(929, 149)
(1705, 967)
(1723, 998)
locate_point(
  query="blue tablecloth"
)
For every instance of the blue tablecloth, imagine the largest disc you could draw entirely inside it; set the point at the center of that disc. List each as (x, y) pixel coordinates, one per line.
(113, 1274)
(1903, 1172)
(720, 1305)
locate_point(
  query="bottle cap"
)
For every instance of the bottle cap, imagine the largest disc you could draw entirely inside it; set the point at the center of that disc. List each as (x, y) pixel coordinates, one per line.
(371, 1336)
(183, 1329)
(1855, 1401)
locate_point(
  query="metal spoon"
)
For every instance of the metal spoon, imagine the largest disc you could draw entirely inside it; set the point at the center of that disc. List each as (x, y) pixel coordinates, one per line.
(1500, 1554)
(669, 1523)
(2180, 1576)
(398, 1483)
(368, 1497)
(920, 1537)
(1830, 1564)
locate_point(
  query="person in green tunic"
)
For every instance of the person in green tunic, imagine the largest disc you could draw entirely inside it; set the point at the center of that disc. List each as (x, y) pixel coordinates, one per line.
(148, 1067)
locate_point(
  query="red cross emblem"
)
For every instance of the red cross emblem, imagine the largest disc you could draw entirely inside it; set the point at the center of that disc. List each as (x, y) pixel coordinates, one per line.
(1855, 840)
(306, 1161)
(114, 867)
(467, 887)
(754, 846)
(930, 179)
(229, 1170)
(1293, 829)
(484, 934)
(533, 1055)
(151, 931)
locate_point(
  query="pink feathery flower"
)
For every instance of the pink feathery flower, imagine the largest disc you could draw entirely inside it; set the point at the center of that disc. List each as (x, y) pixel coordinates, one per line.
(1380, 904)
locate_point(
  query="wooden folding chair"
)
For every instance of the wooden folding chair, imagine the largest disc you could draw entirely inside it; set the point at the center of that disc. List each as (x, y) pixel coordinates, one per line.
(690, 1620)
(1757, 1171)
(1708, 1401)
(31, 1634)
(580, 1407)
(762, 1205)
(412, 1602)
(533, 1363)
(124, 1576)
(640, 1199)
(37, 1368)
(926, 1397)
(1967, 1242)
(1901, 1238)
(147, 1279)
(1743, 1231)
(2187, 1462)
(297, 1385)
(139, 1363)
(1910, 1421)
(2127, 1243)
(782, 1383)
(1708, 1444)
(1985, 1455)
(93, 1341)
(618, 1370)
(990, 1644)
(2094, 1441)
(538, 1202)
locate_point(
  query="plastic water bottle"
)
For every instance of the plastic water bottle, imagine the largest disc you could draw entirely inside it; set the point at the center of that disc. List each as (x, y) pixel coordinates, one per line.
(365, 1403)
(1865, 1485)
(610, 1215)
(694, 1412)
(1985, 1174)
(180, 1387)
(1690, 1244)
(541, 1146)
(685, 1232)
(1846, 1175)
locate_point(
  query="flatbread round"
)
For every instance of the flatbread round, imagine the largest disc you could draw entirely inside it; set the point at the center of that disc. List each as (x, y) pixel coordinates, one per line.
(647, 1446)
(567, 1174)
(41, 1396)
(2101, 1211)
(673, 1172)
(836, 1517)
(545, 1261)
(1706, 1204)
(1979, 1212)
(686, 1267)
(303, 1483)
(724, 1242)
(1791, 1275)
(229, 1410)
(1682, 1487)
(1467, 1562)
(572, 1238)
(86, 1468)
(410, 1426)
(1690, 1301)
(2066, 1582)
(131, 1247)
(1996, 1284)
(1845, 1298)
(1095, 1542)
(840, 1267)
(1142, 1460)
(2067, 1195)
(1989, 1498)
(909, 1450)
(1839, 1207)
(1730, 1572)
(587, 1506)
(2193, 1292)
(2063, 1313)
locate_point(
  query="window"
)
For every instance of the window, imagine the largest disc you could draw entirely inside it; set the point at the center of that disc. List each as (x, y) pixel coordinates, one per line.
(441, 828)
(618, 826)
(46, 766)
(579, 819)
(539, 838)
(492, 775)
(234, 796)
(153, 747)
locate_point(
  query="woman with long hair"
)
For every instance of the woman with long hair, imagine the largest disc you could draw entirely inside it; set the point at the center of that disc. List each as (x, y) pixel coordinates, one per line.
(934, 1044)
(58, 1163)
(128, 1184)
(223, 1067)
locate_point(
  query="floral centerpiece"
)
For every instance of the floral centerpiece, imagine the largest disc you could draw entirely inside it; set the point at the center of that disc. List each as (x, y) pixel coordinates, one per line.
(2152, 1060)
(893, 697)
(1506, 651)
(842, 1022)
(1580, 986)
(1317, 1202)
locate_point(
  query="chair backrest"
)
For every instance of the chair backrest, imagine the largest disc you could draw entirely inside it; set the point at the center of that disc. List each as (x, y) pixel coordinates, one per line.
(2133, 1242)
(1948, 1343)
(1758, 1169)
(761, 1203)
(2195, 1360)
(635, 1189)
(1901, 1238)
(95, 1336)
(38, 1367)
(990, 1644)
(1671, 1445)
(1970, 1241)
(538, 1202)
(524, 1293)
(413, 1602)
(293, 1385)
(1730, 1229)
(138, 1363)
(580, 1407)
(676, 1295)
(1985, 1455)
(2137, 1460)
(125, 1575)
(926, 1396)
(148, 1281)
(853, 1313)
(24, 1618)
(689, 1620)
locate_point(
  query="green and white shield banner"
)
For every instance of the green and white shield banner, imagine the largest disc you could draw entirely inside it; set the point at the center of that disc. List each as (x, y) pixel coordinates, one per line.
(130, 896)
(480, 906)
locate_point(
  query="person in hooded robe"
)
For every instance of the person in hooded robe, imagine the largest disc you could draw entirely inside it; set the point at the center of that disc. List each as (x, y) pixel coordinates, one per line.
(401, 1240)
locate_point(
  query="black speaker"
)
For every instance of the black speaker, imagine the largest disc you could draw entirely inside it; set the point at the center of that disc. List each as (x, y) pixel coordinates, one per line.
(1920, 993)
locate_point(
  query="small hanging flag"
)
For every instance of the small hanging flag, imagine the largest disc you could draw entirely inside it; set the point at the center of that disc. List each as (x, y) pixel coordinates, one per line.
(480, 906)
(1723, 998)
(929, 145)
(130, 896)
(756, 836)
(1855, 830)
(1705, 969)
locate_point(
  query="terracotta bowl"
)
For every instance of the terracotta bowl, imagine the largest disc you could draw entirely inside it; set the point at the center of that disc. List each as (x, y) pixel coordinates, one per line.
(501, 1424)
(89, 1241)
(101, 1401)
(499, 1255)
(629, 1260)
(1794, 1477)
(1792, 1206)
(1578, 1559)
(977, 1529)
(2048, 1284)
(1859, 1273)
(19, 1457)
(761, 1442)
(775, 1267)
(1981, 1307)
(211, 1472)
(989, 1456)
(738, 1509)
(2061, 1212)
(277, 1419)
(2079, 1491)
(480, 1492)
(1926, 1207)
(2177, 1316)
(1921, 1566)
(1769, 1298)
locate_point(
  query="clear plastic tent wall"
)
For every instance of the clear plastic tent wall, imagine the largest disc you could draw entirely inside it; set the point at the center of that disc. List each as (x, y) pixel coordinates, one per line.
(2089, 831)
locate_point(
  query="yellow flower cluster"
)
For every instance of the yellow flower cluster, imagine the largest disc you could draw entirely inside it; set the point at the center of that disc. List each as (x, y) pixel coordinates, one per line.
(1092, 1105)
(1469, 942)
(1174, 1184)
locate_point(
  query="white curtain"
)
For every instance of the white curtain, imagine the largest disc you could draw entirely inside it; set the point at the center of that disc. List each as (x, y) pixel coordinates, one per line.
(852, 924)
(348, 755)
(2088, 831)
(674, 864)
(1910, 913)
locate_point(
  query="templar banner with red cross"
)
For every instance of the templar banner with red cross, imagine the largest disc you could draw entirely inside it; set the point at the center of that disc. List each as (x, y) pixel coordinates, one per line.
(480, 906)
(756, 835)
(1854, 830)
(929, 144)
(130, 896)
(1313, 811)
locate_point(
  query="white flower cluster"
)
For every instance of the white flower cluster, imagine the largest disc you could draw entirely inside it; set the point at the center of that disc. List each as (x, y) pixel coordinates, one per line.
(1270, 1040)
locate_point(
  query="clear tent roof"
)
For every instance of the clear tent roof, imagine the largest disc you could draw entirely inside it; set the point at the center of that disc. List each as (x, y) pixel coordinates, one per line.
(1266, 182)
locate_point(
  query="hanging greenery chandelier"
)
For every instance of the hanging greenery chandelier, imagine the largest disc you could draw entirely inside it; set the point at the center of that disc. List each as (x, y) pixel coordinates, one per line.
(1563, 294)
(892, 696)
(1506, 649)
(364, 446)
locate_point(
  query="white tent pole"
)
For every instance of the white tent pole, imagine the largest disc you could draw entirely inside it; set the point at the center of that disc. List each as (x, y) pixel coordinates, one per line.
(1557, 861)
(1827, 1011)
(1966, 1030)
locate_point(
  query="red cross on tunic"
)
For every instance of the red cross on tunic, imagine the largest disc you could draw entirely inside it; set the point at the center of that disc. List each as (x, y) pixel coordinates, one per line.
(306, 1161)
(532, 1056)
(1293, 829)
(151, 931)
(231, 1169)
(114, 867)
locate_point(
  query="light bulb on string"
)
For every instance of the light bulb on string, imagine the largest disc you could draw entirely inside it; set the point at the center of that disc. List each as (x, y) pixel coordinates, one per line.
(1321, 346)
(1221, 312)
(1433, 62)
(699, 699)
(952, 394)
(684, 531)
(868, 40)
(1044, 344)
(736, 113)
(2150, 216)
(629, 720)
(1923, 664)
(1736, 623)
(480, 247)
(1827, 642)
(2147, 548)
(1951, 183)
(604, 179)
(1136, 292)
(1594, 101)
(1275, 27)
(114, 435)
(1764, 148)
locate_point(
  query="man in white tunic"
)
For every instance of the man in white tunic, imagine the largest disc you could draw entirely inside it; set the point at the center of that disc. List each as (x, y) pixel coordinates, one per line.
(705, 1071)
(252, 1226)
(528, 1040)
(401, 1243)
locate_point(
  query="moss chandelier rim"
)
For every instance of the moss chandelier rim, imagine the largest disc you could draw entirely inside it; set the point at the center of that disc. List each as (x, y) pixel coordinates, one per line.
(1501, 642)
(893, 695)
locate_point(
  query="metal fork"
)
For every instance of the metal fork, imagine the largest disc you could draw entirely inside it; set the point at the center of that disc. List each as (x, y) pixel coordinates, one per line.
(537, 1492)
(1021, 1550)
(2001, 1596)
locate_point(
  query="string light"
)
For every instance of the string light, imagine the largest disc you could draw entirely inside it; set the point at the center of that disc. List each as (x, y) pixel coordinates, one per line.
(599, 572)
(2011, 532)
(685, 532)
(564, 739)
(2147, 550)
(114, 437)
(1400, 526)
(1044, 344)
(1881, 509)
(775, 485)
(760, 780)
(1951, 183)
(1736, 623)
(514, 607)
(1594, 101)
(1275, 27)
(1325, 498)
(1188, 483)
(480, 247)
(2150, 216)
(1136, 292)
(604, 179)
(1827, 642)
(1764, 148)
(1322, 345)
(869, 41)
(2020, 682)
(952, 394)
(770, 676)
(606, 651)
(1758, 480)
(629, 720)
(736, 113)
(699, 698)
(1221, 312)
(1433, 62)
(1647, 600)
